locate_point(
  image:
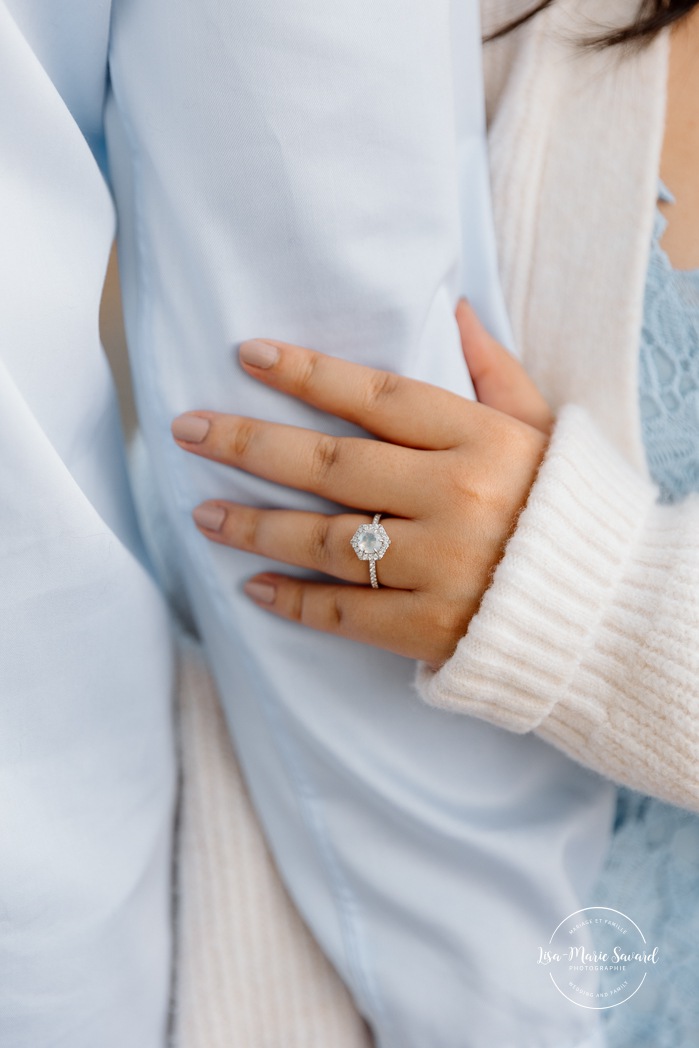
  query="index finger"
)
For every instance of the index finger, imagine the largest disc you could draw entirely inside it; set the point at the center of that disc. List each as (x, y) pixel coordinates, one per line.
(396, 409)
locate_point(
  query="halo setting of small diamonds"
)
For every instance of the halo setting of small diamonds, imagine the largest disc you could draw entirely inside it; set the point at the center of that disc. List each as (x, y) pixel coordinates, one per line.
(370, 542)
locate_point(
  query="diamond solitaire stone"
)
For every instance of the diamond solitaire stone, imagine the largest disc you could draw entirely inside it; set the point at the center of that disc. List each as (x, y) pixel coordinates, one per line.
(370, 541)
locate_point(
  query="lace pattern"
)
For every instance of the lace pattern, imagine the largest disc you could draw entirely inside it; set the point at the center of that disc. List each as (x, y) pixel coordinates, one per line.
(669, 372)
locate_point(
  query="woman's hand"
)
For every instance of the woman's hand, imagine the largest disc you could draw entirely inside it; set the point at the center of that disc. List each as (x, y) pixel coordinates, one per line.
(449, 475)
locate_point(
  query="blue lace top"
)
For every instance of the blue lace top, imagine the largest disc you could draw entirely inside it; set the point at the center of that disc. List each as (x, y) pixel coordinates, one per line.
(652, 871)
(669, 371)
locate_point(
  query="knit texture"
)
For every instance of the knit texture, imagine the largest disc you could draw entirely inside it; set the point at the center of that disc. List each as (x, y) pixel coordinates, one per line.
(248, 971)
(588, 633)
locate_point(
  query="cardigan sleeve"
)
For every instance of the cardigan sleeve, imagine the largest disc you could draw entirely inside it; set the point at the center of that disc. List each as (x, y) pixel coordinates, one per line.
(589, 632)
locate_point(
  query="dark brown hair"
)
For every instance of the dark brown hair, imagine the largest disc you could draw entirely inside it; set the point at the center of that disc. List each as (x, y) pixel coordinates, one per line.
(652, 16)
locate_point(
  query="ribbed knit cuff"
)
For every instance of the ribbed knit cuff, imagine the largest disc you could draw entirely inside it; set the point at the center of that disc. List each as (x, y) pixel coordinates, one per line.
(553, 585)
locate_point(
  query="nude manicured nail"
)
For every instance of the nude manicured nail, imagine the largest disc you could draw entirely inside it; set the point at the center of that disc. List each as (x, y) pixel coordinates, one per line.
(259, 354)
(262, 591)
(209, 517)
(190, 428)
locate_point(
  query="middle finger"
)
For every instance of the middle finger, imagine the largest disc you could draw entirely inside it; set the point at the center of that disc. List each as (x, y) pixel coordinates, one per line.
(351, 471)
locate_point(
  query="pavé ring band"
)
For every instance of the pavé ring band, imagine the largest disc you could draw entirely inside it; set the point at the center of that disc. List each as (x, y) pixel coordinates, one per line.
(370, 542)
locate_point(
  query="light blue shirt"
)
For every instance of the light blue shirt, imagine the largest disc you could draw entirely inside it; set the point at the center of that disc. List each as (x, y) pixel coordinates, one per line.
(314, 172)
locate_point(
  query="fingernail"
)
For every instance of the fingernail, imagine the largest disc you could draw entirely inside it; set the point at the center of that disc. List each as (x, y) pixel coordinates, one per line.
(209, 517)
(190, 428)
(259, 354)
(265, 592)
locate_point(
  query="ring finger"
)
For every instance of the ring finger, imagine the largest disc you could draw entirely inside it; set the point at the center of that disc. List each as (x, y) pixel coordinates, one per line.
(313, 540)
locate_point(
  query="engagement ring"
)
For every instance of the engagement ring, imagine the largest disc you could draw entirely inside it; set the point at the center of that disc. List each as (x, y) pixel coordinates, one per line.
(370, 542)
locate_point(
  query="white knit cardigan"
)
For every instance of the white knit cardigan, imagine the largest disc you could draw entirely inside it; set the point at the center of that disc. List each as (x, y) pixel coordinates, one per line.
(589, 631)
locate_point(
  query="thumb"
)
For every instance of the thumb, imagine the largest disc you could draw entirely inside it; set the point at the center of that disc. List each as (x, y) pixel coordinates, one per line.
(499, 379)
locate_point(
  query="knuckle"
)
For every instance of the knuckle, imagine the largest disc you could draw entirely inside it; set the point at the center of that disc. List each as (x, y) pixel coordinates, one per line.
(476, 484)
(250, 530)
(242, 437)
(319, 541)
(445, 628)
(324, 612)
(297, 602)
(306, 377)
(514, 438)
(334, 611)
(460, 481)
(381, 386)
(325, 456)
